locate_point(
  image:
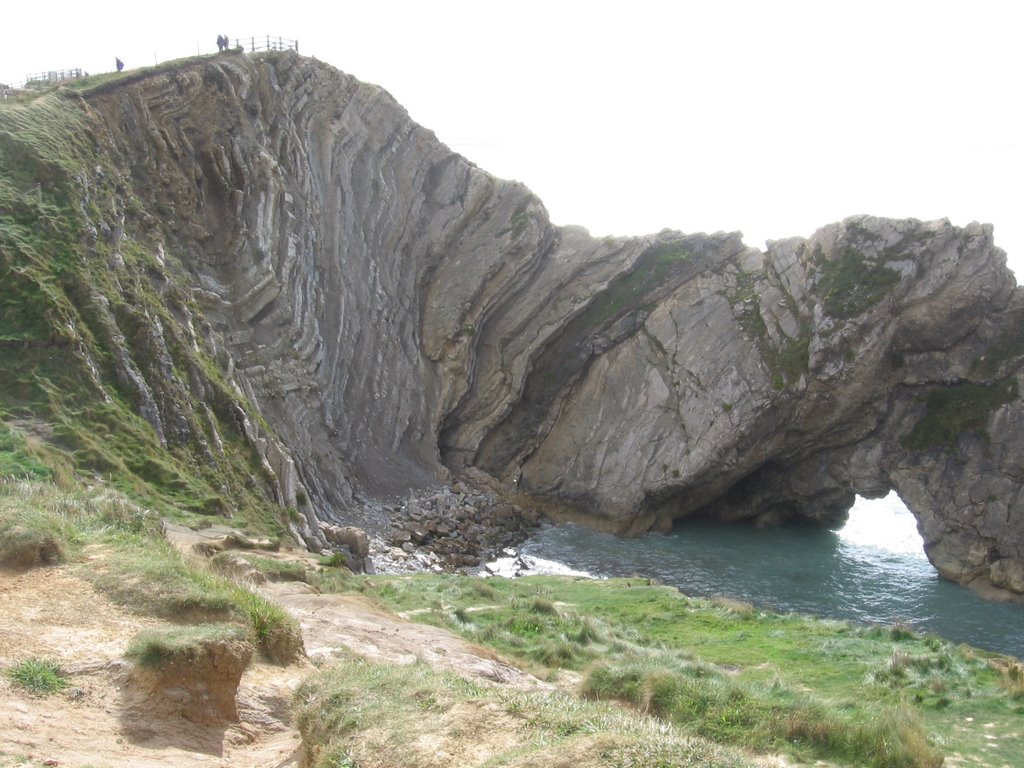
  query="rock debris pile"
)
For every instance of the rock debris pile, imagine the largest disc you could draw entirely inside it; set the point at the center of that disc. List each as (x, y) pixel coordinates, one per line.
(463, 528)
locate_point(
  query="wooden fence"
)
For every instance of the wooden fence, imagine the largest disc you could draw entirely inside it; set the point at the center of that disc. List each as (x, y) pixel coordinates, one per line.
(54, 76)
(266, 43)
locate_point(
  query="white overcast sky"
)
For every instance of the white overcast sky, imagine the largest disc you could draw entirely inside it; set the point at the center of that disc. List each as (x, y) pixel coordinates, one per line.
(772, 118)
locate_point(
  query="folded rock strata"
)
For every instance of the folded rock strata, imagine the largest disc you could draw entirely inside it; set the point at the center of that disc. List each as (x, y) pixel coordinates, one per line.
(396, 313)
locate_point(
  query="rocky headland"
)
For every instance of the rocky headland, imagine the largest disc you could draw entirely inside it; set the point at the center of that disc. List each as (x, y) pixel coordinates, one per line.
(265, 251)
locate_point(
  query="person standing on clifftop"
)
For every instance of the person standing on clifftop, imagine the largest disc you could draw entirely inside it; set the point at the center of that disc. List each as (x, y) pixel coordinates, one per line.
(220, 43)
(119, 63)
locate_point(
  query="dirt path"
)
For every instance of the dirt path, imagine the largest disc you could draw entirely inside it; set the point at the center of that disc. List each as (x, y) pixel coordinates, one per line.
(52, 613)
(332, 621)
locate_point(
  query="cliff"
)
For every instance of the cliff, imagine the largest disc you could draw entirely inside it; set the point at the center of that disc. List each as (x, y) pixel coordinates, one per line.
(277, 270)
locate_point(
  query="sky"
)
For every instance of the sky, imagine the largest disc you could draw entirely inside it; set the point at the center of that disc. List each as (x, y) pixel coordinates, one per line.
(771, 118)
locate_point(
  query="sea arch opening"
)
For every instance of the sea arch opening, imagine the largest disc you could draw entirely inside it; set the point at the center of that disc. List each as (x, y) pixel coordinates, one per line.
(886, 524)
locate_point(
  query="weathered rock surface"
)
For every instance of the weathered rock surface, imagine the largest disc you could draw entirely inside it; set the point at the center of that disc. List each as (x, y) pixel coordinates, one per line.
(396, 313)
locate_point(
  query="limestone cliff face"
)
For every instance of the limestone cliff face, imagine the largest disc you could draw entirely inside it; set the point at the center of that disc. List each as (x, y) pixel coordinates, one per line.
(395, 312)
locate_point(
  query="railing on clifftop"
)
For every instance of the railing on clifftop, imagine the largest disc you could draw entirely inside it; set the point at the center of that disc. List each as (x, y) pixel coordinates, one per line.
(266, 43)
(250, 44)
(54, 76)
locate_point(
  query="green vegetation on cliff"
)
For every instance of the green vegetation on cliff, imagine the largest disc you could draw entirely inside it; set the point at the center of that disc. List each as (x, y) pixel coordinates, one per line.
(851, 284)
(102, 371)
(954, 410)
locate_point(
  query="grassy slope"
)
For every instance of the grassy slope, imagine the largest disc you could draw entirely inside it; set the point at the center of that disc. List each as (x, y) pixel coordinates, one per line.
(79, 312)
(765, 680)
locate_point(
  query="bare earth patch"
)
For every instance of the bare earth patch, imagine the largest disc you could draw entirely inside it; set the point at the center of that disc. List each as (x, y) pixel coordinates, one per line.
(101, 719)
(331, 621)
(98, 719)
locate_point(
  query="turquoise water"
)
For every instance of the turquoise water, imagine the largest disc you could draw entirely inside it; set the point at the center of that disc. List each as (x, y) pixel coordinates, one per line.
(873, 570)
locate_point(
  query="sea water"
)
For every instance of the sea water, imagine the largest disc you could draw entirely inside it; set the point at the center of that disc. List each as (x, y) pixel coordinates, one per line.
(873, 571)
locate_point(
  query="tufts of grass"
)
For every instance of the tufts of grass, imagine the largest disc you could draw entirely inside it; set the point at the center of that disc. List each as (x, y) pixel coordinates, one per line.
(275, 633)
(154, 648)
(332, 580)
(335, 560)
(25, 543)
(787, 673)
(138, 568)
(543, 606)
(354, 710)
(17, 459)
(901, 631)
(727, 712)
(148, 576)
(1013, 679)
(41, 524)
(40, 676)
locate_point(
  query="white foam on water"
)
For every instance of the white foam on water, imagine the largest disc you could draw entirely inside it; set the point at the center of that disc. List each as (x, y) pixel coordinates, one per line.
(528, 565)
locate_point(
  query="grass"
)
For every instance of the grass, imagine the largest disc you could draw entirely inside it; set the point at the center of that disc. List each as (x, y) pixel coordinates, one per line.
(717, 675)
(762, 718)
(26, 541)
(817, 690)
(406, 715)
(273, 569)
(329, 574)
(16, 457)
(147, 575)
(154, 648)
(335, 560)
(85, 348)
(39, 676)
(132, 564)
